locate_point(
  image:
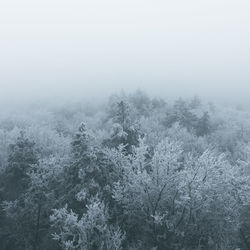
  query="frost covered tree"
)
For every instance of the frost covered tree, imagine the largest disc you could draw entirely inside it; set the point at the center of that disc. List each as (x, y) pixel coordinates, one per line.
(90, 172)
(143, 188)
(124, 128)
(182, 114)
(171, 201)
(15, 183)
(89, 232)
(23, 155)
(203, 125)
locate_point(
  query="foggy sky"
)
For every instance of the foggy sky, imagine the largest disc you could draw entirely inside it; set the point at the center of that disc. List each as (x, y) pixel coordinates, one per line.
(90, 48)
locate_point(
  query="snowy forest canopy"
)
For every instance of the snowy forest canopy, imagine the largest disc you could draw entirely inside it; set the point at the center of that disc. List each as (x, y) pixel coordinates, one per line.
(134, 173)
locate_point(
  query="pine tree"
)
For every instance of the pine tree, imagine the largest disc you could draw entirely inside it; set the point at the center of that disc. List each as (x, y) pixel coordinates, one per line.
(82, 159)
(181, 113)
(23, 155)
(16, 182)
(203, 125)
(124, 131)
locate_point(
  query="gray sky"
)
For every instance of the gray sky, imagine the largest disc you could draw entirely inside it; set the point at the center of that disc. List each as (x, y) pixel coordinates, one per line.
(94, 47)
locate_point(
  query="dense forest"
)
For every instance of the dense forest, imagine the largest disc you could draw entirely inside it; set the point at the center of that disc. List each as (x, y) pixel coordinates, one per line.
(133, 173)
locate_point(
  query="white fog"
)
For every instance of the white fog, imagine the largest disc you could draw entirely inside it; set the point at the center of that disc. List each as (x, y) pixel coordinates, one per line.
(77, 49)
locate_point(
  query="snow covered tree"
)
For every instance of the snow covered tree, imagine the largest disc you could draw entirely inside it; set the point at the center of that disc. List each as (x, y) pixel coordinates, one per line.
(182, 114)
(89, 232)
(89, 173)
(124, 129)
(144, 187)
(203, 125)
(195, 102)
(176, 201)
(23, 155)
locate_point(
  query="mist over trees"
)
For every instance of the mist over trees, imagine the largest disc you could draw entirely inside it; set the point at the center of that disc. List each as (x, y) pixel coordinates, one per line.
(134, 173)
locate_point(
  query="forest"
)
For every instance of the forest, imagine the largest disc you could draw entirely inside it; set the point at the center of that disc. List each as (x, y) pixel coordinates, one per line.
(134, 173)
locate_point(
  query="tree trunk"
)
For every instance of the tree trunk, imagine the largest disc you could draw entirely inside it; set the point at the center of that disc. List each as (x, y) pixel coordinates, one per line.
(37, 227)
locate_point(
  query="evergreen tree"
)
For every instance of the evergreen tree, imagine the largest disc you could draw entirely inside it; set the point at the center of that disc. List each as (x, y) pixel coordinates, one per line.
(203, 125)
(81, 158)
(124, 131)
(195, 102)
(23, 155)
(90, 172)
(16, 231)
(181, 113)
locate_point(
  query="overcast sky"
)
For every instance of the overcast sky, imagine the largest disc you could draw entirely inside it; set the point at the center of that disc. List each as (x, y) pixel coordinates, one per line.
(95, 47)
